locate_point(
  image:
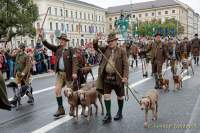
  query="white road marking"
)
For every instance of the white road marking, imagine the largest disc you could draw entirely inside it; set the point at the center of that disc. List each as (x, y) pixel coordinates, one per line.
(56, 123)
(194, 115)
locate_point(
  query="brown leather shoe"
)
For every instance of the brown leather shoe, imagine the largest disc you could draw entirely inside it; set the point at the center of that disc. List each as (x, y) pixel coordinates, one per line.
(59, 112)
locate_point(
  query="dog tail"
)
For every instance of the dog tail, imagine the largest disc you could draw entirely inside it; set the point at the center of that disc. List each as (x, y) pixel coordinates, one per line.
(12, 84)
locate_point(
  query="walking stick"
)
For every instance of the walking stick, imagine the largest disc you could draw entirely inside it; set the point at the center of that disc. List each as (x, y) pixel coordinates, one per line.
(44, 21)
(120, 77)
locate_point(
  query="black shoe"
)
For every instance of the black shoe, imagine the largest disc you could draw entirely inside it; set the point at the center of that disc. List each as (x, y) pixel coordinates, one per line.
(107, 119)
(118, 116)
(59, 112)
(30, 100)
(156, 87)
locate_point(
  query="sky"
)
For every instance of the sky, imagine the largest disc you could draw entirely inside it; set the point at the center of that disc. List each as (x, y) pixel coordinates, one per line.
(194, 4)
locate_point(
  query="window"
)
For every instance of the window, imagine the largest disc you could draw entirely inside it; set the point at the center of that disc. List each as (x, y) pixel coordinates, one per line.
(66, 13)
(71, 14)
(146, 14)
(56, 26)
(51, 27)
(77, 28)
(166, 12)
(56, 11)
(61, 12)
(115, 18)
(152, 13)
(140, 15)
(159, 13)
(77, 41)
(99, 29)
(62, 26)
(72, 28)
(25, 42)
(85, 28)
(80, 15)
(173, 11)
(73, 42)
(49, 10)
(84, 16)
(32, 43)
(88, 16)
(103, 29)
(110, 27)
(99, 18)
(96, 29)
(110, 19)
(81, 28)
(133, 16)
(67, 27)
(92, 17)
(76, 14)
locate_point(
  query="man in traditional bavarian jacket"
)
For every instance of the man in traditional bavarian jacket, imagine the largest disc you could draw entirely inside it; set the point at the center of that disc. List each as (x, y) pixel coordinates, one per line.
(185, 48)
(195, 48)
(65, 67)
(159, 55)
(174, 57)
(22, 71)
(108, 79)
(4, 103)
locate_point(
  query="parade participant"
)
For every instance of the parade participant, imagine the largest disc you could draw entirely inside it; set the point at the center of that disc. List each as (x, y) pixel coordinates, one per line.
(159, 55)
(173, 52)
(108, 79)
(22, 72)
(4, 103)
(195, 48)
(185, 48)
(65, 67)
(134, 53)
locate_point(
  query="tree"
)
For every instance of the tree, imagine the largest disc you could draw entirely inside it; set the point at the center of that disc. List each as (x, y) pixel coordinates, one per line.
(19, 15)
(168, 28)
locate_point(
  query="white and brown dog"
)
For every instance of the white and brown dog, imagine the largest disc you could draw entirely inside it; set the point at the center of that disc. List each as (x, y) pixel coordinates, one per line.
(186, 63)
(150, 102)
(164, 83)
(178, 83)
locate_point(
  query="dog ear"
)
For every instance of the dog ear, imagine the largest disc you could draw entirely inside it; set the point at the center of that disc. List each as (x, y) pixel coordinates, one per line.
(65, 93)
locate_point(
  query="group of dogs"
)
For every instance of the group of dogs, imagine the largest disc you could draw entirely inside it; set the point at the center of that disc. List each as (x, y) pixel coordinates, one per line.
(151, 98)
(87, 96)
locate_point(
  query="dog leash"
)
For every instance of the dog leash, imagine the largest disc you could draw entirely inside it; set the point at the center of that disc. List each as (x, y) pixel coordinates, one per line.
(119, 76)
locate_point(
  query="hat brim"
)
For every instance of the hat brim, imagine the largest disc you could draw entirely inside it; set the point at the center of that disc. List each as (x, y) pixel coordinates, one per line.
(63, 39)
(110, 40)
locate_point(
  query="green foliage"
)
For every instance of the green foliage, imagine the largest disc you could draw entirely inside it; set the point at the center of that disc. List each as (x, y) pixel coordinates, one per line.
(18, 14)
(150, 28)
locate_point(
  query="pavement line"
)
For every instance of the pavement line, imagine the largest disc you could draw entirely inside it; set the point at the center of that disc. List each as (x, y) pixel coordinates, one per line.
(54, 124)
(194, 115)
(186, 77)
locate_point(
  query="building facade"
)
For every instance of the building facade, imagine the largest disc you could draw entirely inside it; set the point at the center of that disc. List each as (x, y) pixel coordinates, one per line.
(79, 20)
(159, 9)
(83, 21)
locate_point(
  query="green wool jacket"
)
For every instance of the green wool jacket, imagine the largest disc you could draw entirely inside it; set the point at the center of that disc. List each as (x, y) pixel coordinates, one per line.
(4, 103)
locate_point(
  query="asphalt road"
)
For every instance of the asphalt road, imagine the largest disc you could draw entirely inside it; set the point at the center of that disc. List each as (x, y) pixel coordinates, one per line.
(179, 112)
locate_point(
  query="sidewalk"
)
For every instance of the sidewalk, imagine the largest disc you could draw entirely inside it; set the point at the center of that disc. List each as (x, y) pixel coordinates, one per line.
(37, 76)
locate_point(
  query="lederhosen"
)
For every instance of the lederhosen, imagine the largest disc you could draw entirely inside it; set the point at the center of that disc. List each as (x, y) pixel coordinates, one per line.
(110, 80)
